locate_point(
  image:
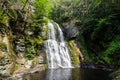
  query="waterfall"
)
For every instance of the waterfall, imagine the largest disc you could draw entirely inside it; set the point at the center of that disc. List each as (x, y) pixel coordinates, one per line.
(56, 48)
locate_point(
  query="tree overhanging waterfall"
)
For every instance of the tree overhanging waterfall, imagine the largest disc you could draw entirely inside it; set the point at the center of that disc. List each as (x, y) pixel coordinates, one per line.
(56, 48)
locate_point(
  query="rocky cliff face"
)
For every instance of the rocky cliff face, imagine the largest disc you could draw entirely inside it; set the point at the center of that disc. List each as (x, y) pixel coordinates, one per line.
(21, 42)
(21, 63)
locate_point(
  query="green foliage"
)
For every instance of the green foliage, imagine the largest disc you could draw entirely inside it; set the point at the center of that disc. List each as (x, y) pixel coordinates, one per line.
(67, 10)
(101, 32)
(43, 7)
(31, 52)
(38, 24)
(34, 46)
(112, 54)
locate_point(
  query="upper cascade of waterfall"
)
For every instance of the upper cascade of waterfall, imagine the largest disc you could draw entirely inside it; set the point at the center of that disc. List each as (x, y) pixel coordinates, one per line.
(56, 48)
(51, 31)
(61, 38)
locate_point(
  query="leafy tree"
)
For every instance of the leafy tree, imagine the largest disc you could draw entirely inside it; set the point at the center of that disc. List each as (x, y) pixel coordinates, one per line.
(43, 8)
(101, 31)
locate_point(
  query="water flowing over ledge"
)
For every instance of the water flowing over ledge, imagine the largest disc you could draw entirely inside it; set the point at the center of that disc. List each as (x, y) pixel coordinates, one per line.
(56, 48)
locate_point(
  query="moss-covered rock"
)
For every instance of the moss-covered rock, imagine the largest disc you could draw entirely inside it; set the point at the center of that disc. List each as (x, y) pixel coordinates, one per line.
(76, 54)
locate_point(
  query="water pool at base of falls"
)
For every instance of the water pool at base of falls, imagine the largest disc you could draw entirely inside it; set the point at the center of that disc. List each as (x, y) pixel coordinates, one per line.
(66, 74)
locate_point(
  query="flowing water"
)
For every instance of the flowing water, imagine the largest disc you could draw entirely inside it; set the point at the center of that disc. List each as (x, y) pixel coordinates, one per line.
(56, 48)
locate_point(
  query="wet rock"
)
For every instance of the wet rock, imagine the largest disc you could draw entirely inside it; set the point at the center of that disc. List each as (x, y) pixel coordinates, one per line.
(71, 32)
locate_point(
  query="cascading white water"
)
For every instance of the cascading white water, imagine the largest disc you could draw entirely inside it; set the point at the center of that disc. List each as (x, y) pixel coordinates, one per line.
(56, 49)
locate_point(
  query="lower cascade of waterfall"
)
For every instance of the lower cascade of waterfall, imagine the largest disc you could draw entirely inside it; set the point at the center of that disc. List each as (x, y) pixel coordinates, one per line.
(56, 48)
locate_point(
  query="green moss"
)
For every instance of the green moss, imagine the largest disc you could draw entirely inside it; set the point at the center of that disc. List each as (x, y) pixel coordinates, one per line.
(74, 53)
